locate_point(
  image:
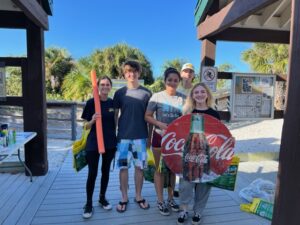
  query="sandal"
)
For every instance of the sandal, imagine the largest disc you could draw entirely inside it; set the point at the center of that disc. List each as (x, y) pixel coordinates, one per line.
(141, 204)
(122, 204)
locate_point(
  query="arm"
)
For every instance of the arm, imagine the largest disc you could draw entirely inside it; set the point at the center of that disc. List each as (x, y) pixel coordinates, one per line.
(150, 129)
(88, 124)
(150, 119)
(116, 117)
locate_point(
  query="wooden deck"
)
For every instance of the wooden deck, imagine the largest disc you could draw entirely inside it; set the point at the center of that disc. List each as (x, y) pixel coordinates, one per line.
(58, 198)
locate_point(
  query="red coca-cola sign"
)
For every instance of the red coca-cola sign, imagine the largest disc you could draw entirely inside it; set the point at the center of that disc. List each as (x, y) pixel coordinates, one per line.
(219, 139)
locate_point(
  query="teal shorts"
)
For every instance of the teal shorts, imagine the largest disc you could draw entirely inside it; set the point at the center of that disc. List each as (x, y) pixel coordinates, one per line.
(131, 150)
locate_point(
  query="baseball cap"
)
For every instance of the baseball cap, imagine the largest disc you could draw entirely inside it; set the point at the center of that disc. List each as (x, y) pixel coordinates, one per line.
(188, 66)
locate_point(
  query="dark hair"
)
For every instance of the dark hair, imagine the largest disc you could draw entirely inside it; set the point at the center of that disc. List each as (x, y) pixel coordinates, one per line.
(105, 77)
(170, 70)
(136, 66)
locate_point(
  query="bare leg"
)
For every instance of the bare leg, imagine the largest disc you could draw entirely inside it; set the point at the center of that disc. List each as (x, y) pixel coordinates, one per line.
(158, 177)
(159, 185)
(123, 186)
(139, 180)
(172, 183)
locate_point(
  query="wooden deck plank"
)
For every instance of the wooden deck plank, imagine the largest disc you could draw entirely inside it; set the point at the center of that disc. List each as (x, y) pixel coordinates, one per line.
(7, 183)
(37, 199)
(26, 197)
(13, 194)
(59, 199)
(65, 199)
(14, 181)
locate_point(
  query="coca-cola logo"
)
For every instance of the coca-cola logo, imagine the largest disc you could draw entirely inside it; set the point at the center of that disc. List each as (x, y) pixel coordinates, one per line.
(218, 137)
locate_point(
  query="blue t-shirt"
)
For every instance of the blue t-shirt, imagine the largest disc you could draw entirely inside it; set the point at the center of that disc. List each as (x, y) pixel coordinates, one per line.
(132, 104)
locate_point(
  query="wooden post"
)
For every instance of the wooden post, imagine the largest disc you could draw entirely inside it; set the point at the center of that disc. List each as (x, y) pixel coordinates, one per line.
(74, 120)
(34, 107)
(208, 54)
(287, 201)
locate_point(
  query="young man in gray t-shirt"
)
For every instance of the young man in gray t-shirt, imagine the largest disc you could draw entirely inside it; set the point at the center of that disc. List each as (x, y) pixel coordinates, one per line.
(187, 74)
(131, 101)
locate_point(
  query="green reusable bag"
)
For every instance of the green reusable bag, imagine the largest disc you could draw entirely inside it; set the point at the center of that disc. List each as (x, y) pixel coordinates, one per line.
(78, 150)
(227, 180)
(150, 170)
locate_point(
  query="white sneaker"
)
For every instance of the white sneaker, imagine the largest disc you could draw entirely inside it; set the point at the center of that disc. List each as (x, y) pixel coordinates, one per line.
(183, 215)
(105, 204)
(196, 220)
(88, 212)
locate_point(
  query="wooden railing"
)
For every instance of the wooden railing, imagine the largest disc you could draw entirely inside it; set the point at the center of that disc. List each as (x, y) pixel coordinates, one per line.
(63, 118)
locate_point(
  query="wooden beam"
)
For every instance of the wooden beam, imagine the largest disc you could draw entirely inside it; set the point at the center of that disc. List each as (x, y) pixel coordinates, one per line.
(278, 114)
(245, 21)
(225, 75)
(34, 108)
(12, 61)
(208, 53)
(34, 11)
(254, 23)
(287, 204)
(228, 75)
(12, 19)
(229, 15)
(270, 11)
(285, 17)
(12, 101)
(225, 115)
(253, 35)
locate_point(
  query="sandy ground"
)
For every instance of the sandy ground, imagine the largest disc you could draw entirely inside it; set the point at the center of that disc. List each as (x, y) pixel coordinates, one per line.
(57, 151)
(262, 136)
(251, 136)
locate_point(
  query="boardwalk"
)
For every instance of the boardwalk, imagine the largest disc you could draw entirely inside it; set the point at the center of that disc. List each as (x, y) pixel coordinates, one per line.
(58, 198)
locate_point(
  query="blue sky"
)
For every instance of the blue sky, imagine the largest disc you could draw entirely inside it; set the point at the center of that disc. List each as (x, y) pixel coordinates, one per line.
(161, 29)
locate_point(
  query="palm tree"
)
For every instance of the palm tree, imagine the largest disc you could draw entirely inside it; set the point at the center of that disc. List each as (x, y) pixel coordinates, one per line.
(270, 58)
(14, 81)
(108, 61)
(58, 63)
(77, 84)
(175, 63)
(267, 58)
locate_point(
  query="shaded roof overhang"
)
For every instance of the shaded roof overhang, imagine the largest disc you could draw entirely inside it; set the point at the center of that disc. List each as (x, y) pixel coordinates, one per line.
(244, 20)
(13, 12)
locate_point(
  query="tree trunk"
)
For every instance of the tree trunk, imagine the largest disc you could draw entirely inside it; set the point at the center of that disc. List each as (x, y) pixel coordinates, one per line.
(279, 98)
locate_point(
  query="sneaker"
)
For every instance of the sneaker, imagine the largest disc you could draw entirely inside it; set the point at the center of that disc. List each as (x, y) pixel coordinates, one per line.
(176, 193)
(183, 215)
(173, 205)
(88, 211)
(163, 209)
(196, 220)
(105, 204)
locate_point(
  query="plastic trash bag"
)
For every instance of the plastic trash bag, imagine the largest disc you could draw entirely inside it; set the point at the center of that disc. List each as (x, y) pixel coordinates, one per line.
(259, 188)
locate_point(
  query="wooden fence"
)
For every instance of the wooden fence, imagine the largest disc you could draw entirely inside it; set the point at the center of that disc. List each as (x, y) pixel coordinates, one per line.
(64, 118)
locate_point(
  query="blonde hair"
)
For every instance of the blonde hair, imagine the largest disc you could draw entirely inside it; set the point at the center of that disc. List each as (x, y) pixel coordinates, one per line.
(190, 103)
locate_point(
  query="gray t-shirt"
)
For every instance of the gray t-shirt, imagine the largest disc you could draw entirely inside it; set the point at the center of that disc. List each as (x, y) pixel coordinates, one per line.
(166, 107)
(184, 91)
(132, 104)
